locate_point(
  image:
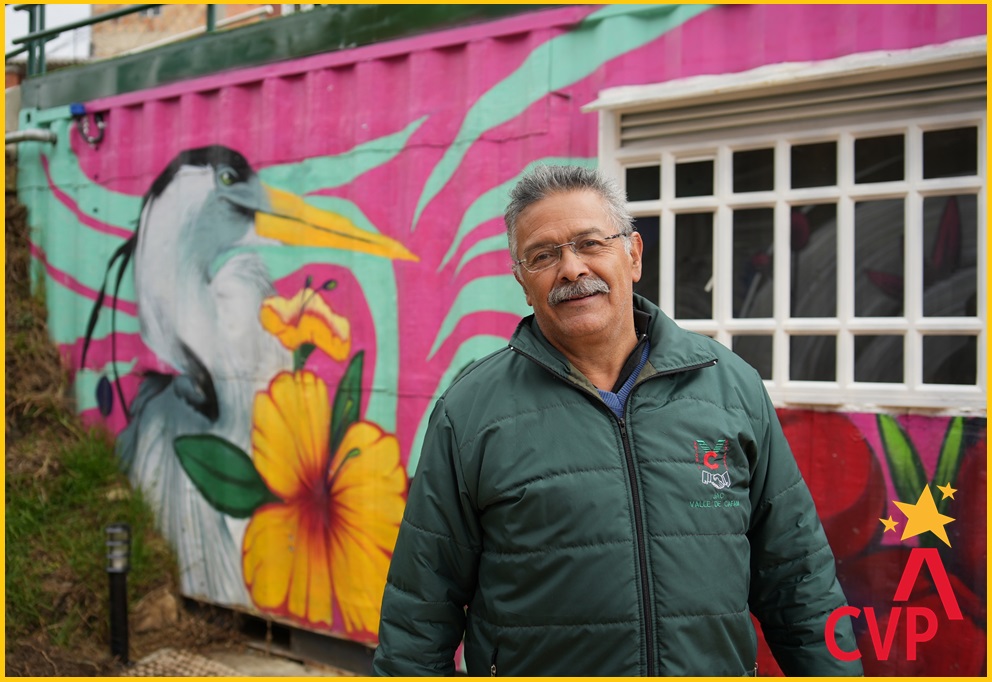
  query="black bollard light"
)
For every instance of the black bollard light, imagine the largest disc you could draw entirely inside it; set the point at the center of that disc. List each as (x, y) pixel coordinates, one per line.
(118, 564)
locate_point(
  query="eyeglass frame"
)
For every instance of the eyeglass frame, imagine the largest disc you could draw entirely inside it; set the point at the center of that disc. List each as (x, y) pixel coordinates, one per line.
(571, 245)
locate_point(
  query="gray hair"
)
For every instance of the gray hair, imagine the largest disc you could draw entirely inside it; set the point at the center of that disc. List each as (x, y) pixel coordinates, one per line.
(544, 181)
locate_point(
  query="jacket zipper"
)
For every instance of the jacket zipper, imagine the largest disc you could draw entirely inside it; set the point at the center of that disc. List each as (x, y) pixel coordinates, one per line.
(636, 500)
(638, 522)
(492, 667)
(642, 557)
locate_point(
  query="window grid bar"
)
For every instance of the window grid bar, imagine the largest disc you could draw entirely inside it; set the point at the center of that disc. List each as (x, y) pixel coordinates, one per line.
(949, 326)
(723, 255)
(782, 301)
(981, 270)
(667, 236)
(845, 260)
(913, 255)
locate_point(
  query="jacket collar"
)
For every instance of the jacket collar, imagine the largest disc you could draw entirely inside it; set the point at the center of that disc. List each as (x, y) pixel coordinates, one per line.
(673, 349)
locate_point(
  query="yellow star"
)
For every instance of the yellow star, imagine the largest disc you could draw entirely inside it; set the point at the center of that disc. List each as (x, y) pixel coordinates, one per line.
(923, 516)
(947, 490)
(889, 524)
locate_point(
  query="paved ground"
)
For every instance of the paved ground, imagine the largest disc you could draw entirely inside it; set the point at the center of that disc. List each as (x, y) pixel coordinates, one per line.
(238, 662)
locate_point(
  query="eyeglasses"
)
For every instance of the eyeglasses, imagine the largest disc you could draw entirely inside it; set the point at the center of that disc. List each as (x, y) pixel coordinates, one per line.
(541, 258)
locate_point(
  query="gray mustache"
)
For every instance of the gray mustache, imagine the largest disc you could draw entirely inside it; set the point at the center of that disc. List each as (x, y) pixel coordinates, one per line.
(577, 289)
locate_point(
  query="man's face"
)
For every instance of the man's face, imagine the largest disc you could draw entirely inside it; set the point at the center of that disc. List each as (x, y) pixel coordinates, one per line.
(585, 319)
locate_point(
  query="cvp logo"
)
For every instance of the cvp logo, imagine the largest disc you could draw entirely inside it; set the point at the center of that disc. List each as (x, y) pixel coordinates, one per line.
(921, 621)
(710, 460)
(882, 642)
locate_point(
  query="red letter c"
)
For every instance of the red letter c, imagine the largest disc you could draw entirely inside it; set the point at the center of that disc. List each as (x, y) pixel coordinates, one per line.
(831, 634)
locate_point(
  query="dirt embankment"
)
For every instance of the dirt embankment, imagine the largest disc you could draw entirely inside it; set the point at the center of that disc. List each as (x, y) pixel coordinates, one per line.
(40, 422)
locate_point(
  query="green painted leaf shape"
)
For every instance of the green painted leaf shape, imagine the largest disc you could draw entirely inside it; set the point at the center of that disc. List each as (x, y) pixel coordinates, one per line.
(949, 462)
(347, 401)
(904, 461)
(301, 354)
(223, 474)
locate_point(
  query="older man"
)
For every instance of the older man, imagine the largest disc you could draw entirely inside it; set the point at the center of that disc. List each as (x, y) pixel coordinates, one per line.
(609, 494)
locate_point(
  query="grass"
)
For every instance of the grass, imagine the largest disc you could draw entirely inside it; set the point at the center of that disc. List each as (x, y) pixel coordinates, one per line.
(63, 487)
(55, 548)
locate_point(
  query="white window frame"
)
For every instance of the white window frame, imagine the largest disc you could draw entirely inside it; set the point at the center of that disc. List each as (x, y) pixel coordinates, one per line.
(710, 117)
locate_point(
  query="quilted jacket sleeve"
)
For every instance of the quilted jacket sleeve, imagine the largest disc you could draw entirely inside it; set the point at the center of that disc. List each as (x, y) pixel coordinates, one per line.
(433, 571)
(794, 586)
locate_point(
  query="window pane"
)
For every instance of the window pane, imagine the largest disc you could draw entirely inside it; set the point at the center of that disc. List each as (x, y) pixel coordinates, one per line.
(753, 240)
(643, 183)
(694, 179)
(813, 250)
(754, 170)
(650, 284)
(813, 358)
(950, 250)
(694, 266)
(814, 165)
(879, 159)
(879, 229)
(949, 153)
(878, 358)
(757, 352)
(950, 360)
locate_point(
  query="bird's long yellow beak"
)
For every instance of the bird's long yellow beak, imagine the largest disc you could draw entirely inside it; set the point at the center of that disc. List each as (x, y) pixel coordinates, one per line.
(294, 221)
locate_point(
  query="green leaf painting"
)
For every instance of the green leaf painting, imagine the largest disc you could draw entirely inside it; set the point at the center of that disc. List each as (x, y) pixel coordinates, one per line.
(301, 354)
(949, 462)
(904, 462)
(347, 401)
(223, 474)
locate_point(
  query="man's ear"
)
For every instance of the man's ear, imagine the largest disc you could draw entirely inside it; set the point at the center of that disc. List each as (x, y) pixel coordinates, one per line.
(516, 276)
(636, 253)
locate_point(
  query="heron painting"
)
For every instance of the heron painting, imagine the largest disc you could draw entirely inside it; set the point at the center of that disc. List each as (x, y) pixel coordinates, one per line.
(237, 385)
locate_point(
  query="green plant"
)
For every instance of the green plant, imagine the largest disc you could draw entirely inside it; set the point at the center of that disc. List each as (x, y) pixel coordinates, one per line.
(55, 540)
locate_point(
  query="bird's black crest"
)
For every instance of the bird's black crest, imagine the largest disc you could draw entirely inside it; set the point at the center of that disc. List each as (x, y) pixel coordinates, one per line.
(212, 155)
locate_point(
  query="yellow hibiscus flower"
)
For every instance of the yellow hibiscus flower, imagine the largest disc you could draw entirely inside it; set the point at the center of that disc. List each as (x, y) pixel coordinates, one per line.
(332, 536)
(306, 318)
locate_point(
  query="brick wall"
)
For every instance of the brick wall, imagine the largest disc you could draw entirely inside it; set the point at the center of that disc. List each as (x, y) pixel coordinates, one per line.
(13, 75)
(135, 30)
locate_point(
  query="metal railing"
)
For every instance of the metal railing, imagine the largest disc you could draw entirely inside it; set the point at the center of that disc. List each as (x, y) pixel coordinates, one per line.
(34, 42)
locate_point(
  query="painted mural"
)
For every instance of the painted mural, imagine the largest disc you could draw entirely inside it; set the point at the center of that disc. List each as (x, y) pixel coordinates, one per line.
(283, 267)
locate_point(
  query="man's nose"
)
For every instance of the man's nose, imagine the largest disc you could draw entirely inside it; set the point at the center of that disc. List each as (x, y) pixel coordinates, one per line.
(571, 267)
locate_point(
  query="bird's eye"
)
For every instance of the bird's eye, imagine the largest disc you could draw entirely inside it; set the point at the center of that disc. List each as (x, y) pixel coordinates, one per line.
(227, 176)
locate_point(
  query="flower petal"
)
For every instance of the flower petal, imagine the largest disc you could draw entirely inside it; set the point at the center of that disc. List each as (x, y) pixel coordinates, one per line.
(278, 313)
(307, 318)
(368, 494)
(285, 564)
(358, 579)
(329, 332)
(290, 433)
(267, 572)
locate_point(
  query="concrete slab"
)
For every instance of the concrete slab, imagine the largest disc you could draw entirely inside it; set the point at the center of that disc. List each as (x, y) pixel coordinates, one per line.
(236, 662)
(252, 662)
(171, 662)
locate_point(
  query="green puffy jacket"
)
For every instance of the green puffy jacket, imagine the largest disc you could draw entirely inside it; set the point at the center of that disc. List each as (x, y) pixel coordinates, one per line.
(562, 540)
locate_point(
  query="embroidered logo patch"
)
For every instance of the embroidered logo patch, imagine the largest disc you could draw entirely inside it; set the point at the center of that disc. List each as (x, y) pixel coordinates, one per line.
(712, 463)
